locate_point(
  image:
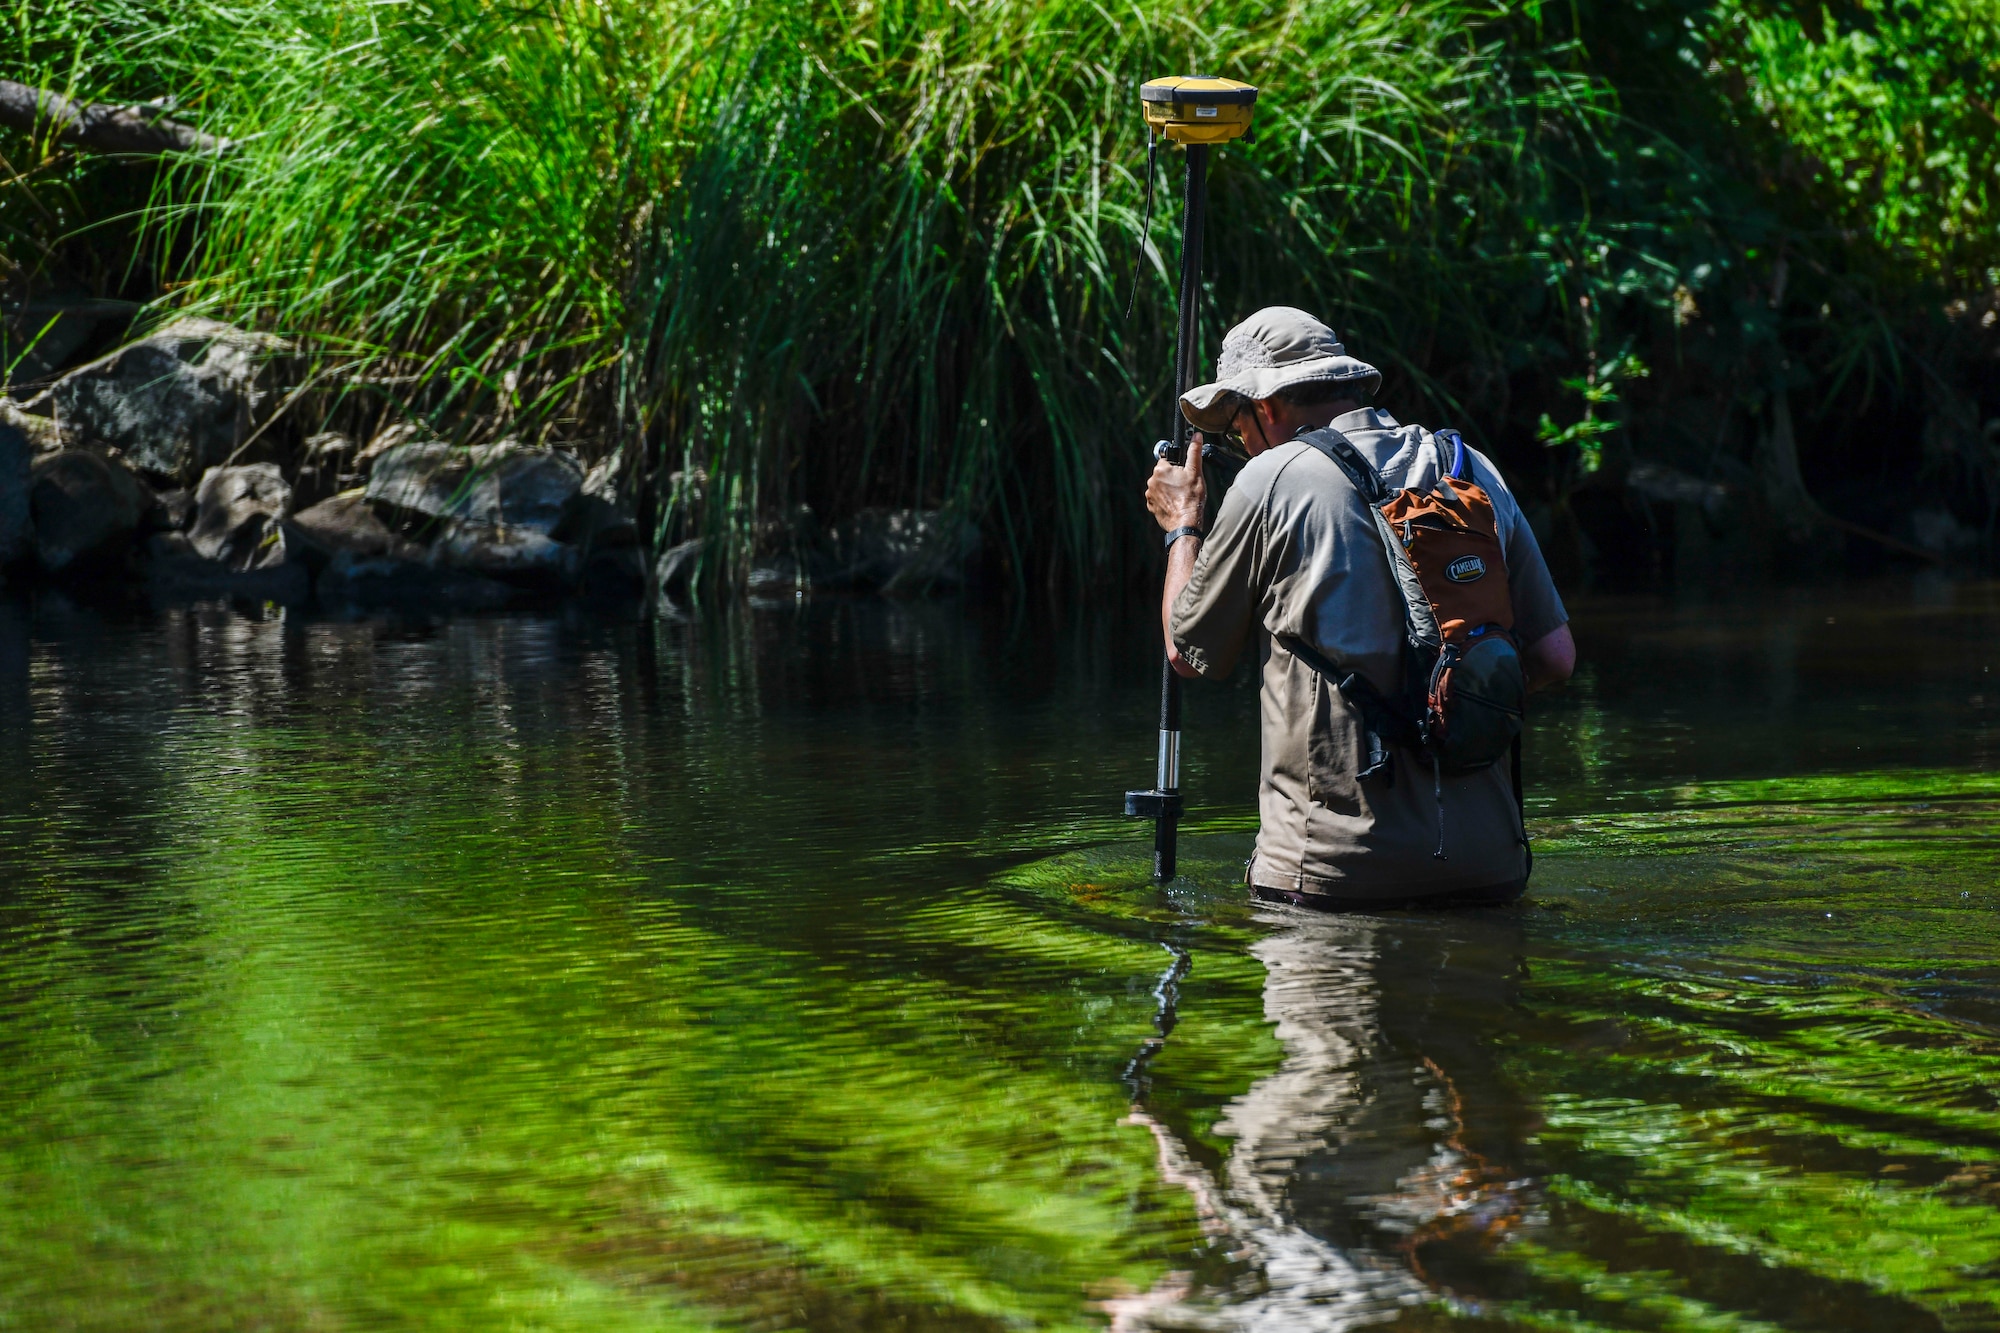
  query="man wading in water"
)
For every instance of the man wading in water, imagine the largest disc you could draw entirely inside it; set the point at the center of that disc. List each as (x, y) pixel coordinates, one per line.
(1296, 555)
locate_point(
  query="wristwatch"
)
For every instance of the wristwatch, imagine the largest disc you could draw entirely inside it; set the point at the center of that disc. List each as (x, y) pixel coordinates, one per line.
(1179, 533)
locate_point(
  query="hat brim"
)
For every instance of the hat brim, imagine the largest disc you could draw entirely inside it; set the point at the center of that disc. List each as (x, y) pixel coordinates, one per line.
(1212, 407)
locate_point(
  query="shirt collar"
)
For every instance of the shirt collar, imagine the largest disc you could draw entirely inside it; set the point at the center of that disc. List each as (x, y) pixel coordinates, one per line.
(1364, 418)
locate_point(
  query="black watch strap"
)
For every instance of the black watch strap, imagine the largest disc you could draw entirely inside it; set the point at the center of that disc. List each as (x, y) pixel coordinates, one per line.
(1179, 533)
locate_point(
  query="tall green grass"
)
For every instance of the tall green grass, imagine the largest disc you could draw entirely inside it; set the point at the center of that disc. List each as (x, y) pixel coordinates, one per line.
(842, 254)
(823, 254)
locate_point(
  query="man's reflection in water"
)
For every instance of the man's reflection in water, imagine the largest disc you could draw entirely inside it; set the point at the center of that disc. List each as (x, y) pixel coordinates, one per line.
(1382, 1139)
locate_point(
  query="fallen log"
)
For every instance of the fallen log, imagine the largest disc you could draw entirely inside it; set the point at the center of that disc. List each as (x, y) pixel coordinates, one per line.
(141, 130)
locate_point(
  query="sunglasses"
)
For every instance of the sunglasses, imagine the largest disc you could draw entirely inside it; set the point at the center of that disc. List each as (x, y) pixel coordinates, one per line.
(1227, 443)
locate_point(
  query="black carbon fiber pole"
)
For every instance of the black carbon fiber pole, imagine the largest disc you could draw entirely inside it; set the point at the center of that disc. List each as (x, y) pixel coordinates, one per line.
(1163, 802)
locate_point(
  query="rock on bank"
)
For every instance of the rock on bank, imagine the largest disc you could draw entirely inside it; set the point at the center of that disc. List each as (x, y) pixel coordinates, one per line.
(171, 465)
(167, 465)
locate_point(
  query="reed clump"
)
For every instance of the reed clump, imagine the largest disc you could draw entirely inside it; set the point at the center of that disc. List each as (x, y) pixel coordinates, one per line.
(834, 255)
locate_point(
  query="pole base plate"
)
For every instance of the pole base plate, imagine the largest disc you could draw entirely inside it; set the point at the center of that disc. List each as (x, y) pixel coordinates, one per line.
(1153, 804)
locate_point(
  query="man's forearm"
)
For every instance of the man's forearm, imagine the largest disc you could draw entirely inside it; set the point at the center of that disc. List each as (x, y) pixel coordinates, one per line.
(1180, 568)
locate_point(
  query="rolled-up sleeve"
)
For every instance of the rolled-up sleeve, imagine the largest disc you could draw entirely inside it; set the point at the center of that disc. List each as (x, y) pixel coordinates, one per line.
(1211, 618)
(1538, 607)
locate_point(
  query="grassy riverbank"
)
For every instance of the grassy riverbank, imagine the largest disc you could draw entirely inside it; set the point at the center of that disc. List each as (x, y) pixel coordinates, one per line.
(841, 255)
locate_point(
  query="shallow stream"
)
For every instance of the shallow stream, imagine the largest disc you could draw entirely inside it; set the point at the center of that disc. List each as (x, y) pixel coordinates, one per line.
(790, 969)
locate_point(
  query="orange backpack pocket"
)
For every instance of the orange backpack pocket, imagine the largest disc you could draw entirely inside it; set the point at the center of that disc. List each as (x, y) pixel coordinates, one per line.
(1451, 538)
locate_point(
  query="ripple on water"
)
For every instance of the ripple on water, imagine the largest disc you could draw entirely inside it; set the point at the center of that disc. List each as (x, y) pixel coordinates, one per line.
(1701, 1079)
(791, 974)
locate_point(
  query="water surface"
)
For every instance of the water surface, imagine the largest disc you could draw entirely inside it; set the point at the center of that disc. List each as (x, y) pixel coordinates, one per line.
(789, 969)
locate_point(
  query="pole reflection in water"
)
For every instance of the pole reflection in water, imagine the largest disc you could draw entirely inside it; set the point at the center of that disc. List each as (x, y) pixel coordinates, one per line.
(1384, 1137)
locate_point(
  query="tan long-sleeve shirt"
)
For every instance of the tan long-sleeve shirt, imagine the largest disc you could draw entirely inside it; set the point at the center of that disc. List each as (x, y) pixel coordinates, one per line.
(1293, 551)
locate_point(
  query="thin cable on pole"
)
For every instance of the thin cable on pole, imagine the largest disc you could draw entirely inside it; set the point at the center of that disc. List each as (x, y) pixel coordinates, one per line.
(1145, 228)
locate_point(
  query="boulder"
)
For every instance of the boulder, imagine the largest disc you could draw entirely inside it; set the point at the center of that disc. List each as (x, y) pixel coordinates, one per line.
(518, 556)
(390, 437)
(17, 529)
(175, 568)
(172, 511)
(172, 404)
(45, 434)
(598, 518)
(85, 509)
(601, 527)
(354, 580)
(238, 514)
(347, 525)
(899, 551)
(361, 561)
(614, 574)
(497, 486)
(229, 537)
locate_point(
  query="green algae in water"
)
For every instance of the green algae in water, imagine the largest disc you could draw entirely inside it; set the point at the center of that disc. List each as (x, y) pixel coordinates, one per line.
(792, 972)
(1734, 1065)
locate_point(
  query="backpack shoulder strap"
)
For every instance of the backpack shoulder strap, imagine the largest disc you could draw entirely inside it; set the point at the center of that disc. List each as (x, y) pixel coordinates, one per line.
(1348, 459)
(1419, 620)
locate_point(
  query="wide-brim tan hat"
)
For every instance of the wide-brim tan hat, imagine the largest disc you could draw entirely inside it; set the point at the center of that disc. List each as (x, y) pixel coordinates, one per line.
(1275, 349)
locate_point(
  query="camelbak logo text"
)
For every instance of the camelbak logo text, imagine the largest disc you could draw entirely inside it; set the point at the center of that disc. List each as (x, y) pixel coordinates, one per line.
(1465, 569)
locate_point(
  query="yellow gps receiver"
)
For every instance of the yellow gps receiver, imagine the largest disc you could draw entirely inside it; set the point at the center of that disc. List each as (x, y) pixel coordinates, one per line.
(1198, 108)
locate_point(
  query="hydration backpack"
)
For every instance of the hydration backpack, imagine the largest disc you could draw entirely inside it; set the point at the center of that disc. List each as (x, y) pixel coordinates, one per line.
(1463, 693)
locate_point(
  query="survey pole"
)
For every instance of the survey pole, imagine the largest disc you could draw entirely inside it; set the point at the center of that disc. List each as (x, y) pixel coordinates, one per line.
(1197, 112)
